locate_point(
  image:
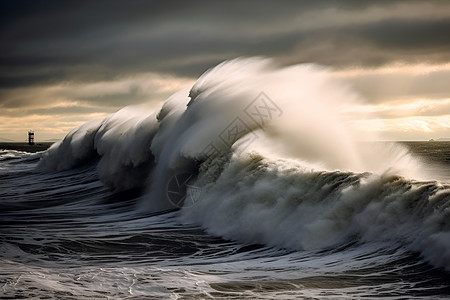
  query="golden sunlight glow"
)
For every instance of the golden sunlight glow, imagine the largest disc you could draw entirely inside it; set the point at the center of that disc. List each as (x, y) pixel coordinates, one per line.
(417, 69)
(52, 111)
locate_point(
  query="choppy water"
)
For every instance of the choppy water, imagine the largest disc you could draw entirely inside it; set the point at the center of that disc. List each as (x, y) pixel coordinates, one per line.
(250, 185)
(65, 235)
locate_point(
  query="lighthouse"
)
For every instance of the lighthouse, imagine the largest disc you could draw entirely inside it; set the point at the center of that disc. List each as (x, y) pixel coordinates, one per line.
(30, 137)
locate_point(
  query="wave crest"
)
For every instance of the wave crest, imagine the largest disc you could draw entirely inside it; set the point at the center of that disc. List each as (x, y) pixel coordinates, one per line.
(275, 161)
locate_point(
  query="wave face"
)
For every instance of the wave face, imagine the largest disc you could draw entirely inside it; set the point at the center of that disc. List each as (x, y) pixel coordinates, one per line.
(262, 156)
(242, 105)
(287, 162)
(281, 204)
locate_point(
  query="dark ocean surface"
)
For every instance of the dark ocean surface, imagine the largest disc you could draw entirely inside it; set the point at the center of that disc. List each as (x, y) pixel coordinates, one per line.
(66, 235)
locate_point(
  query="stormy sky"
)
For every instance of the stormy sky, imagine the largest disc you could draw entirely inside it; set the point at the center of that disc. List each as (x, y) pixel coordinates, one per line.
(65, 62)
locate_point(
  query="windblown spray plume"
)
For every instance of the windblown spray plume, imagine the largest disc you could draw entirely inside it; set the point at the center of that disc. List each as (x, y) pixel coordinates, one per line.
(267, 155)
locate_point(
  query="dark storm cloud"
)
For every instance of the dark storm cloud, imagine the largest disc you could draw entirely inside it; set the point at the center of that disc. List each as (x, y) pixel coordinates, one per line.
(376, 44)
(44, 42)
(115, 99)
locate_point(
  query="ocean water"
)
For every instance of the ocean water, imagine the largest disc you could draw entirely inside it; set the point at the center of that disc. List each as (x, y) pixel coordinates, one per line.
(230, 191)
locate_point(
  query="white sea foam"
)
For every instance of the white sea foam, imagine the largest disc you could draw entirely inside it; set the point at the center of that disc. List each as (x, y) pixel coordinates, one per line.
(282, 204)
(121, 141)
(298, 176)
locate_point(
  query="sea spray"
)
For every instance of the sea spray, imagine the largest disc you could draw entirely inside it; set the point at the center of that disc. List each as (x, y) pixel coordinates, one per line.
(121, 142)
(253, 105)
(283, 204)
(273, 160)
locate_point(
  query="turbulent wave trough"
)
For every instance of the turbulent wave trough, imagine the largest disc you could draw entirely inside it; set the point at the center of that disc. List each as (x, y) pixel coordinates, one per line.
(278, 196)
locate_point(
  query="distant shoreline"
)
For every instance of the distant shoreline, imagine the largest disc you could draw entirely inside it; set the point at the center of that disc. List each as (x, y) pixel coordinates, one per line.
(24, 147)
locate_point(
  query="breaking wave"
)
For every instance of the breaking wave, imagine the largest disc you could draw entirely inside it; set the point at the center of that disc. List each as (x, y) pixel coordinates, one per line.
(266, 154)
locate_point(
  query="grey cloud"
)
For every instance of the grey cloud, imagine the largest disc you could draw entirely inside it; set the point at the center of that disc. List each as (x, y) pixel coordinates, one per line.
(376, 44)
(54, 111)
(44, 42)
(408, 34)
(133, 96)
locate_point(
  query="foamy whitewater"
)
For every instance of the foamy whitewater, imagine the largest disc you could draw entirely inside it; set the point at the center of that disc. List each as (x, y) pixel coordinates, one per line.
(251, 184)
